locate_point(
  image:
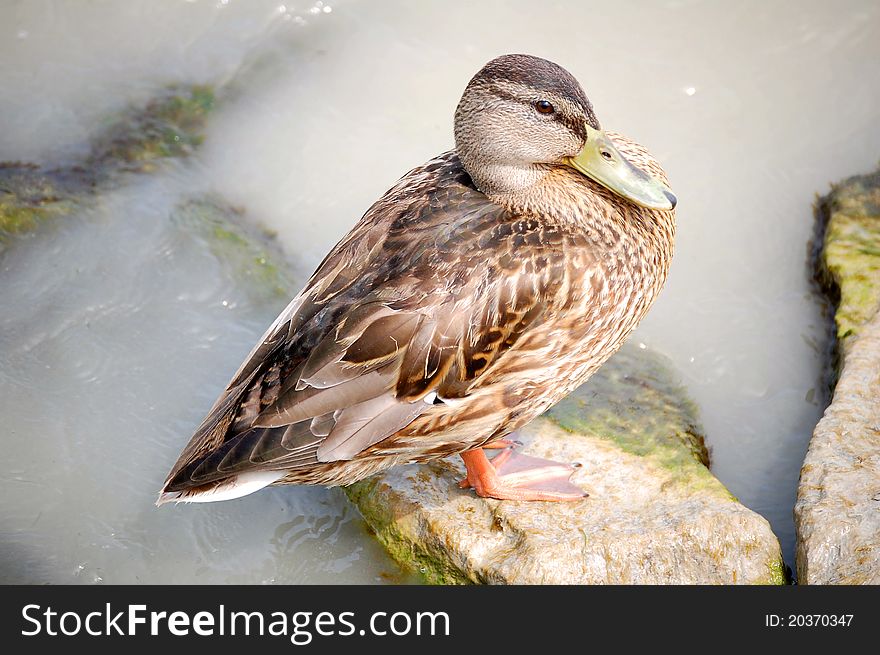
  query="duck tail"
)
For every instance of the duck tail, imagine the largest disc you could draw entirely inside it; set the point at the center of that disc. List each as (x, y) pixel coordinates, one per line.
(234, 486)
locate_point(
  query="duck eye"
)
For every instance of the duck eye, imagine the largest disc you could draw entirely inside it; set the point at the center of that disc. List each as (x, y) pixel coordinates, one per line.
(544, 107)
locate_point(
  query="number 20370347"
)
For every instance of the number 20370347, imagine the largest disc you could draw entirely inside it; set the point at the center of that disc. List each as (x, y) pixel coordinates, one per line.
(808, 620)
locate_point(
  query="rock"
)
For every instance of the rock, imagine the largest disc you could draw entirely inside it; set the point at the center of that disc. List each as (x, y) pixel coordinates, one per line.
(170, 125)
(837, 515)
(655, 513)
(28, 196)
(246, 249)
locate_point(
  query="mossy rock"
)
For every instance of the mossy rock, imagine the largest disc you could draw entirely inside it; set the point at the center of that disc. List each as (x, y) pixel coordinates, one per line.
(247, 250)
(134, 141)
(170, 125)
(849, 260)
(655, 514)
(28, 196)
(837, 514)
(637, 403)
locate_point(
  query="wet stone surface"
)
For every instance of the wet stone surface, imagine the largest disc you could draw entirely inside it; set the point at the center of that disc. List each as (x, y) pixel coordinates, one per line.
(837, 515)
(655, 514)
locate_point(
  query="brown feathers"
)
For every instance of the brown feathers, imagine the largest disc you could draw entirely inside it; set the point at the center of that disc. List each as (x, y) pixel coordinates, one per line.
(441, 321)
(478, 291)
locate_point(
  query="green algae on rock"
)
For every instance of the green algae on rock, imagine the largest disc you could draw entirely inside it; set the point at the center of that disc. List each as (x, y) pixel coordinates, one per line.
(837, 514)
(249, 251)
(646, 394)
(655, 514)
(170, 125)
(29, 196)
(849, 259)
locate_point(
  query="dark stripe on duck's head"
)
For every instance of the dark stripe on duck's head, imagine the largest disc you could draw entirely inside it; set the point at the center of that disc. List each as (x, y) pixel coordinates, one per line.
(540, 75)
(562, 117)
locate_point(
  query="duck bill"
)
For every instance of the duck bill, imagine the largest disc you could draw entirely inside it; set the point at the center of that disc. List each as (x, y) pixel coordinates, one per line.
(601, 161)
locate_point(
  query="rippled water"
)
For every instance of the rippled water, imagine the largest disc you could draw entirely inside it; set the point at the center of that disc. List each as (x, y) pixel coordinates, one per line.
(120, 327)
(114, 338)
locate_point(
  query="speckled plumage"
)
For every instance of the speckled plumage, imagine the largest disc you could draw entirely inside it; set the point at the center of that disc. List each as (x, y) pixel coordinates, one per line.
(447, 318)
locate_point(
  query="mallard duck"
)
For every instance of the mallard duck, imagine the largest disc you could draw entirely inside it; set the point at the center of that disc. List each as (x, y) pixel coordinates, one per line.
(481, 289)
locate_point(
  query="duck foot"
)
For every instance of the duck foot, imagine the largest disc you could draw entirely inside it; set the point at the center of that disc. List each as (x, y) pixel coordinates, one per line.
(510, 476)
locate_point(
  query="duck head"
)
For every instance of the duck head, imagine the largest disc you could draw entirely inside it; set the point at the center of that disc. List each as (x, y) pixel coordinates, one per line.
(520, 116)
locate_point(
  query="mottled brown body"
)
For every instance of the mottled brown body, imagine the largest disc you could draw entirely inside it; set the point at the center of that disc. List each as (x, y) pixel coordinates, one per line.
(449, 316)
(514, 311)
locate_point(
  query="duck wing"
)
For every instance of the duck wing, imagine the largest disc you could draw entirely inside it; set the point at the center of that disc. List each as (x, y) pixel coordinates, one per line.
(421, 298)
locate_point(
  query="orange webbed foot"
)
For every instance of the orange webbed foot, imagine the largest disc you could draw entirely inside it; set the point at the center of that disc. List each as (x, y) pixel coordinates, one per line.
(511, 476)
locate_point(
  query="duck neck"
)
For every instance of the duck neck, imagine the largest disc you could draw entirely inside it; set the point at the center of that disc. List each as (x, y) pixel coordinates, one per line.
(565, 197)
(536, 189)
(502, 181)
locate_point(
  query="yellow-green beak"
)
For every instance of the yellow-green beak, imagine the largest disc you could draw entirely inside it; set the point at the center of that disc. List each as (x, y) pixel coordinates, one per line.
(600, 160)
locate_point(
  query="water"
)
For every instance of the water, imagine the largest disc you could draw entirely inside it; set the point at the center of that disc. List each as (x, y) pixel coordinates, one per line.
(132, 326)
(753, 108)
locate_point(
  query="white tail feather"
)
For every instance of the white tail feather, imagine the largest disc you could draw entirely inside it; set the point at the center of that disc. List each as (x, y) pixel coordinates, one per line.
(236, 487)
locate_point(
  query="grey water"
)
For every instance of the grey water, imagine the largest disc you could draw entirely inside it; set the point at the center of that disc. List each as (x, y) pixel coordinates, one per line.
(118, 326)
